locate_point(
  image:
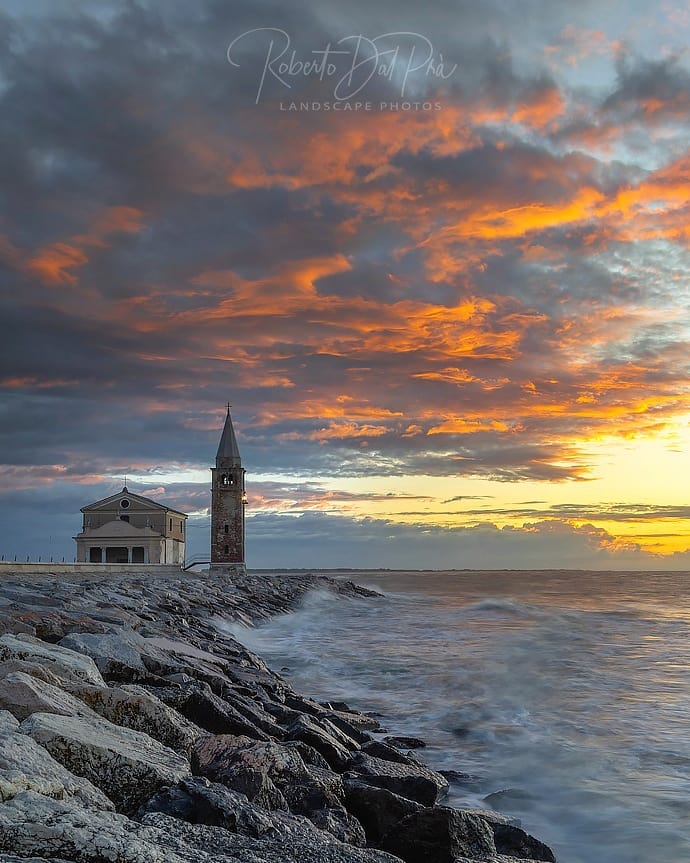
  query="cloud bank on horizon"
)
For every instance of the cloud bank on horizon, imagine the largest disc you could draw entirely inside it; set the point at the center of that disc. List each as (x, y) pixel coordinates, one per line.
(437, 260)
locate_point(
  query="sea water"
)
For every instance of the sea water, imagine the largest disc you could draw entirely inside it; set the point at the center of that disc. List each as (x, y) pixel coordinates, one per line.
(566, 695)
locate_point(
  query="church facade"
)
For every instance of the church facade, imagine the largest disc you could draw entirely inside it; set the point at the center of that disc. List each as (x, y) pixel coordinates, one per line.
(130, 528)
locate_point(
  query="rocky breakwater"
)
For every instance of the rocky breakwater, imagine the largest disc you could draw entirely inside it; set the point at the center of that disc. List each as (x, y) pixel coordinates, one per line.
(133, 730)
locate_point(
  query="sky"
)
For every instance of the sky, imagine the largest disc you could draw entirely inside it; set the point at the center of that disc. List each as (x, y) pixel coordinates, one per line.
(434, 255)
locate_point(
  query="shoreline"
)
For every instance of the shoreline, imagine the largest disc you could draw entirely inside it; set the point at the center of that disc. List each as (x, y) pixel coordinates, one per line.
(124, 707)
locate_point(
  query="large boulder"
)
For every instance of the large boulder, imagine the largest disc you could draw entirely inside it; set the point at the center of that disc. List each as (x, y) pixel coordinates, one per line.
(126, 765)
(117, 654)
(35, 826)
(31, 824)
(134, 707)
(516, 842)
(440, 835)
(202, 802)
(22, 694)
(276, 777)
(209, 711)
(377, 809)
(25, 765)
(67, 665)
(324, 739)
(414, 781)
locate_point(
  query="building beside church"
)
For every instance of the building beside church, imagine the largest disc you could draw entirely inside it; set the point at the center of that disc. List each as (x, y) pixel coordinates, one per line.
(130, 528)
(228, 499)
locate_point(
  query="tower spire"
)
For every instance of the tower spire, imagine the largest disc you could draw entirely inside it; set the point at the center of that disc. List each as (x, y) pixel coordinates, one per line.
(227, 448)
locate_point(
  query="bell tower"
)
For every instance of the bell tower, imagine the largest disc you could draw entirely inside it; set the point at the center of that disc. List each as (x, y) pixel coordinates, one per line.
(227, 504)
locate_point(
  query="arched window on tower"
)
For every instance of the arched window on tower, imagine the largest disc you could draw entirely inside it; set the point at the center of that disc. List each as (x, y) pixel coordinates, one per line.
(226, 529)
(225, 479)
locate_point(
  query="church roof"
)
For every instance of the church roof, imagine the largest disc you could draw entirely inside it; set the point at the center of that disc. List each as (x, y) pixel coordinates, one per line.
(138, 498)
(227, 448)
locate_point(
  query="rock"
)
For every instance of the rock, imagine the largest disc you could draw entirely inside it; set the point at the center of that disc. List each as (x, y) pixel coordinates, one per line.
(8, 722)
(201, 706)
(440, 835)
(126, 765)
(416, 782)
(202, 802)
(354, 724)
(339, 823)
(275, 777)
(249, 767)
(64, 664)
(23, 695)
(308, 753)
(134, 707)
(252, 711)
(377, 809)
(309, 731)
(31, 824)
(117, 654)
(404, 742)
(387, 753)
(35, 669)
(303, 845)
(24, 766)
(514, 841)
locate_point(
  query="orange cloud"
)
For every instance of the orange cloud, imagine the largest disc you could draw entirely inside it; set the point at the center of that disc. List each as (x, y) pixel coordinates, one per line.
(55, 264)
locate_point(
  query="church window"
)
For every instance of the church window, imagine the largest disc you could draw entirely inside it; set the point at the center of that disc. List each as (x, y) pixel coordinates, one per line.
(124, 518)
(124, 503)
(226, 528)
(227, 549)
(225, 479)
(170, 524)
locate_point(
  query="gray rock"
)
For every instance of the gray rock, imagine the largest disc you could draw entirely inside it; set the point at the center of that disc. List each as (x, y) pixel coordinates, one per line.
(202, 802)
(201, 706)
(387, 753)
(514, 841)
(126, 765)
(301, 846)
(64, 664)
(23, 695)
(440, 835)
(308, 753)
(355, 725)
(416, 782)
(35, 669)
(275, 777)
(256, 769)
(134, 707)
(377, 809)
(24, 766)
(8, 722)
(404, 742)
(31, 824)
(117, 654)
(308, 730)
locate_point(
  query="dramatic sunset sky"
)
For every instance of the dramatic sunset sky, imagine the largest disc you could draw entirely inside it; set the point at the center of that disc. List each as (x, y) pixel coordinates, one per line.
(447, 295)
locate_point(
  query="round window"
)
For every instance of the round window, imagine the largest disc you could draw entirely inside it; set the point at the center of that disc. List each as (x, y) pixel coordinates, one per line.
(124, 503)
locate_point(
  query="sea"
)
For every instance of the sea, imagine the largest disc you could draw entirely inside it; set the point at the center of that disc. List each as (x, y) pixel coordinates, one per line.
(563, 697)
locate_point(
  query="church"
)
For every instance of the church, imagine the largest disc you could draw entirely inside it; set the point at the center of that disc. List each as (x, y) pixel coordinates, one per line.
(130, 528)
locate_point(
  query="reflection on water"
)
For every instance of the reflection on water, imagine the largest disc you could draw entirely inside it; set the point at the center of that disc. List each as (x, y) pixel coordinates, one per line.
(569, 690)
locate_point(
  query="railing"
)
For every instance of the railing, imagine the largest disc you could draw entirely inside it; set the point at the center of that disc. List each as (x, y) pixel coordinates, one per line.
(197, 560)
(18, 558)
